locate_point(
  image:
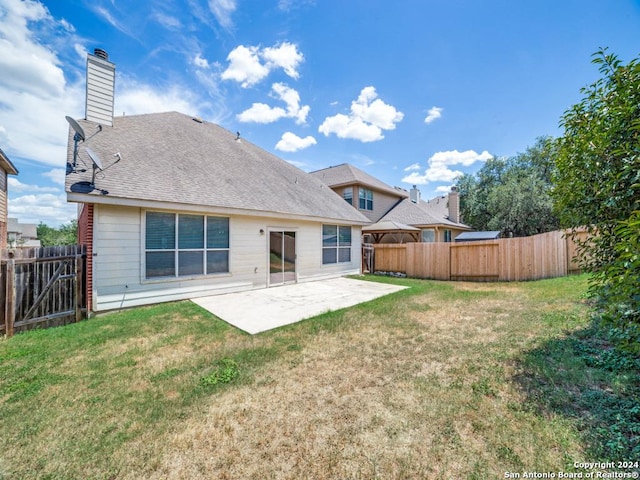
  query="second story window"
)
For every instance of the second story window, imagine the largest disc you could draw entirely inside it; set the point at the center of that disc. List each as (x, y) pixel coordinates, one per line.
(366, 199)
(347, 194)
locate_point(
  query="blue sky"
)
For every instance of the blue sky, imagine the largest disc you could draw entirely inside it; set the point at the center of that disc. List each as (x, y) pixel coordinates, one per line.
(413, 92)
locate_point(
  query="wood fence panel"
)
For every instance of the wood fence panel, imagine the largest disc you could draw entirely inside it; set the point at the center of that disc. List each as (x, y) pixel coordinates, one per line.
(429, 260)
(573, 238)
(477, 261)
(390, 258)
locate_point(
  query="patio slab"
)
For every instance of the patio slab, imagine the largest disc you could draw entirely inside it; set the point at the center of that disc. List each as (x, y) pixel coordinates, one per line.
(256, 311)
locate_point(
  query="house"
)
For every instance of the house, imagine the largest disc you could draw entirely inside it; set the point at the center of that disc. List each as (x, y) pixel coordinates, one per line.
(396, 215)
(6, 168)
(22, 235)
(173, 207)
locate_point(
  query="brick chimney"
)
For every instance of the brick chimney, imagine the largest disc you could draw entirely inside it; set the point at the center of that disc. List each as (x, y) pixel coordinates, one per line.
(414, 195)
(101, 83)
(454, 205)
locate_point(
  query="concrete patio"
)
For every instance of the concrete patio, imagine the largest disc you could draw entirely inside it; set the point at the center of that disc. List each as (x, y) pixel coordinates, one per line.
(256, 311)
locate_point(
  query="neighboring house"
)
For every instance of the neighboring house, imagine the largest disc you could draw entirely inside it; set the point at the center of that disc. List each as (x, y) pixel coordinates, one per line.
(182, 208)
(478, 236)
(6, 168)
(396, 215)
(22, 235)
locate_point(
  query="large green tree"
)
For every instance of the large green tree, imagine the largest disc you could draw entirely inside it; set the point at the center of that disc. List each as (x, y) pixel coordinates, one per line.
(597, 185)
(66, 234)
(512, 194)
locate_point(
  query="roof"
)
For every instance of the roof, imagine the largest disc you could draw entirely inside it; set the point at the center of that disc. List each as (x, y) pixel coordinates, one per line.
(389, 226)
(420, 213)
(6, 164)
(475, 236)
(171, 157)
(346, 174)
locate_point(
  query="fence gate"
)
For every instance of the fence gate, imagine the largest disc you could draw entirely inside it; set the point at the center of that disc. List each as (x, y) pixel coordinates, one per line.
(367, 257)
(42, 287)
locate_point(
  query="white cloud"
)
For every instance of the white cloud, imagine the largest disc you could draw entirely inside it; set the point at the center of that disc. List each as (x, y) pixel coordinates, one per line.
(369, 117)
(135, 98)
(433, 114)
(198, 61)
(16, 186)
(292, 143)
(443, 189)
(263, 113)
(167, 21)
(246, 66)
(413, 166)
(222, 10)
(438, 166)
(51, 209)
(56, 175)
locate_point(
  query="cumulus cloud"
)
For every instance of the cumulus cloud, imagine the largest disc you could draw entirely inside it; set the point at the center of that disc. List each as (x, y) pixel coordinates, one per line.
(413, 166)
(263, 113)
(198, 61)
(369, 116)
(439, 164)
(249, 65)
(433, 114)
(16, 186)
(290, 142)
(135, 98)
(49, 208)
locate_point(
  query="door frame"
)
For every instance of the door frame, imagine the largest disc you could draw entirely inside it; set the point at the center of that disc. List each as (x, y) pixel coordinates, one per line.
(282, 230)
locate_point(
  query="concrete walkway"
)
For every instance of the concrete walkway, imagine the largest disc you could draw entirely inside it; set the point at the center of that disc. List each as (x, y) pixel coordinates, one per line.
(257, 311)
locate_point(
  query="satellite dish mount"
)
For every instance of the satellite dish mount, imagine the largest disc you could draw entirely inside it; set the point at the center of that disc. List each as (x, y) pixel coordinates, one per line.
(78, 136)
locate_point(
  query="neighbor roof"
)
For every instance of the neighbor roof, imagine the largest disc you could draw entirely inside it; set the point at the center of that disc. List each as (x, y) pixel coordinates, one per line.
(346, 174)
(475, 236)
(6, 164)
(419, 214)
(174, 158)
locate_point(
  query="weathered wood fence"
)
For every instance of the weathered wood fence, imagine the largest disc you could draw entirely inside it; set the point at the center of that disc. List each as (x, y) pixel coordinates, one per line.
(41, 287)
(510, 259)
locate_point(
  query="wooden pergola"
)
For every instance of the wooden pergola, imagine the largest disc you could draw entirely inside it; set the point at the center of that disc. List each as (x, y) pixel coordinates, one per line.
(400, 231)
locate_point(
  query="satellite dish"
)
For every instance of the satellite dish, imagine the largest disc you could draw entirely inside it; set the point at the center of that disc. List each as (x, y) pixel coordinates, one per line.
(76, 127)
(95, 158)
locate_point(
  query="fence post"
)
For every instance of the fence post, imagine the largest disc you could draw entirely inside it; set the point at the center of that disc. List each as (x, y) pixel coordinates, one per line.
(78, 285)
(10, 306)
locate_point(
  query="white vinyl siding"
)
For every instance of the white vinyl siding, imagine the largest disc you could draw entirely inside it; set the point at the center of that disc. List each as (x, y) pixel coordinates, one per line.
(119, 252)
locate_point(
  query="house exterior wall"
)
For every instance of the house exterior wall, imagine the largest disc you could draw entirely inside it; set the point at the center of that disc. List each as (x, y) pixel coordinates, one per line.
(118, 259)
(382, 201)
(3, 208)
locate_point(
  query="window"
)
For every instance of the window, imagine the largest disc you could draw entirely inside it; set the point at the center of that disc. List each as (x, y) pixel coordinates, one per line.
(178, 245)
(366, 199)
(347, 194)
(428, 235)
(447, 236)
(336, 244)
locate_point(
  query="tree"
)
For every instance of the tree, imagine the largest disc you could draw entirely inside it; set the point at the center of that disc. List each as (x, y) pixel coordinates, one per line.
(512, 194)
(67, 234)
(597, 185)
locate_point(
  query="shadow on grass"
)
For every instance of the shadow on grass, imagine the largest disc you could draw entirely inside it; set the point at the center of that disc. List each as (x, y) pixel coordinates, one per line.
(583, 378)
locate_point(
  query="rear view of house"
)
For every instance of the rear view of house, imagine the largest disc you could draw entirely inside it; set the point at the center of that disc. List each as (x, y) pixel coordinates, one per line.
(174, 207)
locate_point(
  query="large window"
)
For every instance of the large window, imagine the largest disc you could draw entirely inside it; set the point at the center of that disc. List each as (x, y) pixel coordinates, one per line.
(178, 245)
(366, 199)
(336, 244)
(428, 235)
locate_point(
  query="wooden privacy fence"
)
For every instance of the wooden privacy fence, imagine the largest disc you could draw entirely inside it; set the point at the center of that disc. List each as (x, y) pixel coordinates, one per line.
(510, 259)
(41, 286)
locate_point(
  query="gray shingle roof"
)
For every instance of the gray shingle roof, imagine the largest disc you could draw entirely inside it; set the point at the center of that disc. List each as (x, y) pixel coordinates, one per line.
(346, 174)
(170, 157)
(421, 213)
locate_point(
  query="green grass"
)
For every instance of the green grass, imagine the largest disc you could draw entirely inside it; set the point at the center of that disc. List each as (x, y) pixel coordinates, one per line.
(439, 380)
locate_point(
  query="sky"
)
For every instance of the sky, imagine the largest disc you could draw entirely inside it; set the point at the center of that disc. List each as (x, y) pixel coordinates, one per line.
(414, 92)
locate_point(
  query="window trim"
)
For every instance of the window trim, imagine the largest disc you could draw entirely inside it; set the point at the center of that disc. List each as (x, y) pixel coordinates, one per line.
(176, 250)
(338, 247)
(365, 197)
(348, 198)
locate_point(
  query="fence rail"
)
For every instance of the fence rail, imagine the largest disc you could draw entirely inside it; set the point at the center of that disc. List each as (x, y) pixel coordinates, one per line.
(41, 287)
(511, 259)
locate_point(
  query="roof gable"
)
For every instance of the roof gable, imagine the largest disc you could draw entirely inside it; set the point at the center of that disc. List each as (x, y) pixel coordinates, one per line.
(347, 174)
(6, 164)
(421, 213)
(172, 157)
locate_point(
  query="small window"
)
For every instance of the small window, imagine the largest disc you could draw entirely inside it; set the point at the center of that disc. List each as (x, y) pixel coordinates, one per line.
(428, 235)
(178, 245)
(336, 244)
(447, 236)
(366, 199)
(347, 194)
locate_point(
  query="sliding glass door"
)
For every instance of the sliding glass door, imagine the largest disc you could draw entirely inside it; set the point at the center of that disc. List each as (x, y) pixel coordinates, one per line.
(282, 257)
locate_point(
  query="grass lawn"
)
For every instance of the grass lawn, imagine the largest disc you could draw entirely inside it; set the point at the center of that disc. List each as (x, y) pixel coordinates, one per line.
(443, 380)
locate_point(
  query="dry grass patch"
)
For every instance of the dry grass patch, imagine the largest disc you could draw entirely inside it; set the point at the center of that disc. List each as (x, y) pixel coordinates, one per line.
(418, 384)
